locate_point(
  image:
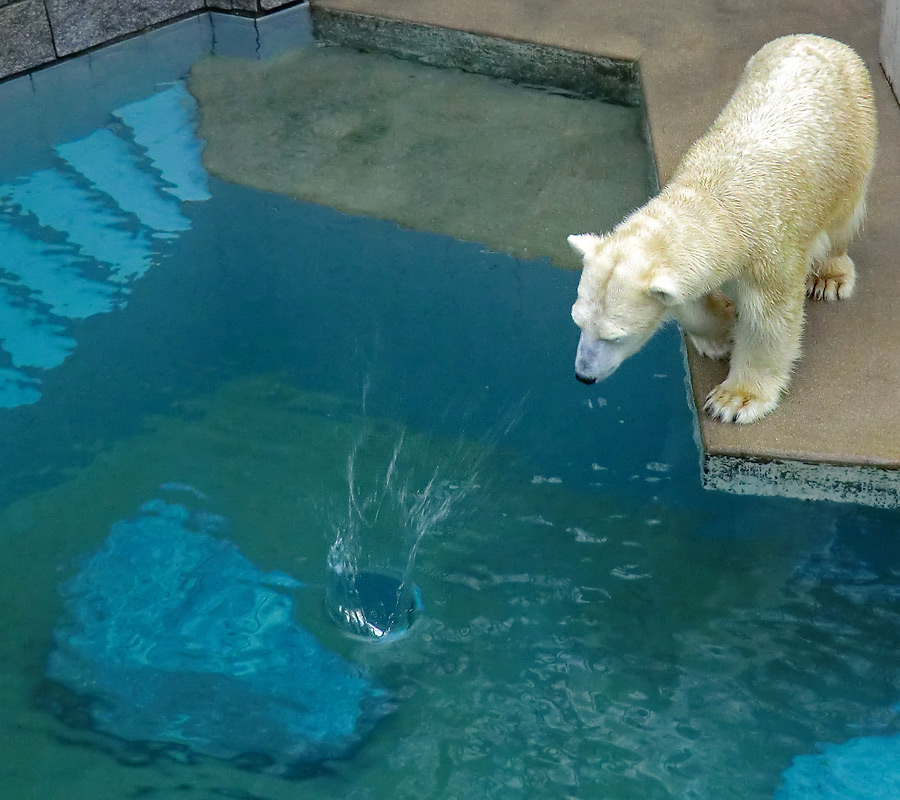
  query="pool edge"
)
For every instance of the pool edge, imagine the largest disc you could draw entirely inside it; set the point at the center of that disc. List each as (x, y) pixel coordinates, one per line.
(838, 483)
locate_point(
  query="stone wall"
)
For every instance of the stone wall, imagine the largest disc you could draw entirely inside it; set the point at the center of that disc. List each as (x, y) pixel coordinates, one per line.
(890, 44)
(35, 32)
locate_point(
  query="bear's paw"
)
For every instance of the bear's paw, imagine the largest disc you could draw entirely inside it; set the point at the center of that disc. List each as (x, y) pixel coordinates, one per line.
(739, 404)
(833, 280)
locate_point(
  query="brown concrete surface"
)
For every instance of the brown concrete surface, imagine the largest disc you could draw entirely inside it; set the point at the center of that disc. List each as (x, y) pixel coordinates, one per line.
(843, 406)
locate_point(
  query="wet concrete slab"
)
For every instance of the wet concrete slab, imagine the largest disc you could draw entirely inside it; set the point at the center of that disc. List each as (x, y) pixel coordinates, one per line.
(842, 408)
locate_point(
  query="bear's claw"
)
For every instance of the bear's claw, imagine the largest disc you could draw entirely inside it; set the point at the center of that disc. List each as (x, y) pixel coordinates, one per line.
(827, 289)
(737, 405)
(834, 280)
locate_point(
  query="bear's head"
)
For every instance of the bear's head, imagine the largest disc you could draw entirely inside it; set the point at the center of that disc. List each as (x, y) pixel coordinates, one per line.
(624, 294)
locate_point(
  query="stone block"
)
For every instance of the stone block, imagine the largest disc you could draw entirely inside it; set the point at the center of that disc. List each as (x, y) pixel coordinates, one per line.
(25, 38)
(249, 6)
(80, 24)
(890, 44)
(269, 5)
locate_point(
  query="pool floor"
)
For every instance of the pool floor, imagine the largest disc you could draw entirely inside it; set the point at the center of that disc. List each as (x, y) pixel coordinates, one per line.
(595, 625)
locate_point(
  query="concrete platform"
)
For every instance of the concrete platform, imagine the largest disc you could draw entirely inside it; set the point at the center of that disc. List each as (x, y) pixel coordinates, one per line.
(837, 432)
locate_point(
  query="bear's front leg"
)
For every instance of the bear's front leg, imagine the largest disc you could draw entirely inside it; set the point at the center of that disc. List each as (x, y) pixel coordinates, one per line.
(767, 336)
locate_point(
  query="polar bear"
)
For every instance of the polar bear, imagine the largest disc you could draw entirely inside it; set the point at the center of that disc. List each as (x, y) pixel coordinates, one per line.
(758, 214)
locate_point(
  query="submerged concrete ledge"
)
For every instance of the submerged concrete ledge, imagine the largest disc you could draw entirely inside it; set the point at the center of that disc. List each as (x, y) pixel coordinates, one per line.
(449, 151)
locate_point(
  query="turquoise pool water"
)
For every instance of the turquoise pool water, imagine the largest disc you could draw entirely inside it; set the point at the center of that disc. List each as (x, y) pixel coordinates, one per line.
(595, 625)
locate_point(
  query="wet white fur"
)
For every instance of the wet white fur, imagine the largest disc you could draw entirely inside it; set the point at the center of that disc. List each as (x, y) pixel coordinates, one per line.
(758, 214)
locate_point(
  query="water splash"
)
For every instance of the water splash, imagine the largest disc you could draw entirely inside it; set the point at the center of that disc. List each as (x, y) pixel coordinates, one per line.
(371, 591)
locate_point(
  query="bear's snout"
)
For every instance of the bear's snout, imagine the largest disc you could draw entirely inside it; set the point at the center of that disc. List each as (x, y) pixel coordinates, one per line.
(597, 359)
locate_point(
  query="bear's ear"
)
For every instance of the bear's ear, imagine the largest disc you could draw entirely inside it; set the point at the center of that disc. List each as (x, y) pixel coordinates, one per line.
(664, 288)
(585, 244)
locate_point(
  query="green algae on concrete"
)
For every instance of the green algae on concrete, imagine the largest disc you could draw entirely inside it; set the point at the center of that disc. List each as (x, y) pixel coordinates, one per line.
(477, 158)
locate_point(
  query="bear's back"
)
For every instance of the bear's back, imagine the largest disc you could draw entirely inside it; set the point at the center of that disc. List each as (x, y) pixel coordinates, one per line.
(799, 130)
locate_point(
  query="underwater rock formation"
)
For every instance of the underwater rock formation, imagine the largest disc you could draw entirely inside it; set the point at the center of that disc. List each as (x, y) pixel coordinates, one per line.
(172, 639)
(867, 768)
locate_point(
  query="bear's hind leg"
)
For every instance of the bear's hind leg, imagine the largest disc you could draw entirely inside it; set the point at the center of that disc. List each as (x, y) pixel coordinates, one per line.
(834, 277)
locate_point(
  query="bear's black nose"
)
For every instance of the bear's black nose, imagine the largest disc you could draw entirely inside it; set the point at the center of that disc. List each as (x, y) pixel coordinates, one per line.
(583, 379)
